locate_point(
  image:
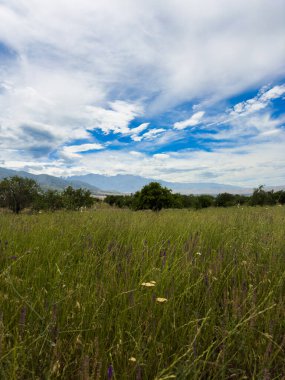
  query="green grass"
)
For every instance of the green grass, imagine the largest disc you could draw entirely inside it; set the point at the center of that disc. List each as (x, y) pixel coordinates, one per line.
(72, 304)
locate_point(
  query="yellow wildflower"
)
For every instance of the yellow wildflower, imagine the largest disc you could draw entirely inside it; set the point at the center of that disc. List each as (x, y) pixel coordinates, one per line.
(56, 368)
(78, 340)
(161, 299)
(148, 284)
(132, 359)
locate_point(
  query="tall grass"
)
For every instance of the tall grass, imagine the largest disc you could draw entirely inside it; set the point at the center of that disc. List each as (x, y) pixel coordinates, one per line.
(72, 305)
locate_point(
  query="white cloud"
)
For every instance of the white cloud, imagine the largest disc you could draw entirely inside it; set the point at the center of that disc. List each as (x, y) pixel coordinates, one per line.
(191, 122)
(152, 133)
(86, 65)
(135, 153)
(140, 128)
(170, 51)
(271, 132)
(73, 151)
(274, 93)
(161, 156)
(238, 165)
(259, 102)
(149, 135)
(114, 119)
(247, 121)
(251, 165)
(135, 132)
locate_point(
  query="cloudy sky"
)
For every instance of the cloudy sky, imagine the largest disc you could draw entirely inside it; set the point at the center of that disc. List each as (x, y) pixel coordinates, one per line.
(188, 91)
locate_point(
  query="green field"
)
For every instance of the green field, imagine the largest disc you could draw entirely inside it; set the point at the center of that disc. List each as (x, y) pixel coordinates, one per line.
(72, 305)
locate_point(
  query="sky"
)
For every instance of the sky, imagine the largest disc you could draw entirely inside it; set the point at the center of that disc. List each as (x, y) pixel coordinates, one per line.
(185, 91)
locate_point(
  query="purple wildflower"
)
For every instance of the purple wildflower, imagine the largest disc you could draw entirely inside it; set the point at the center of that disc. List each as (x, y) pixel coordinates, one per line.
(13, 257)
(110, 372)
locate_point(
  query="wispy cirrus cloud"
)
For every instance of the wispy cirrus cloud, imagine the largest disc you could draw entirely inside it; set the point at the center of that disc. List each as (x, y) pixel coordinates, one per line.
(252, 119)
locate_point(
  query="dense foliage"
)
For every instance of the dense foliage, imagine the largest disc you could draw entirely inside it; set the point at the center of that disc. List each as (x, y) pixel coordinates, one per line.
(17, 193)
(123, 295)
(74, 199)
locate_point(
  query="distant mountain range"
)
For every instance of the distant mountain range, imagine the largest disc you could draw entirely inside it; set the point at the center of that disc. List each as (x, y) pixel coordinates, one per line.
(50, 182)
(125, 183)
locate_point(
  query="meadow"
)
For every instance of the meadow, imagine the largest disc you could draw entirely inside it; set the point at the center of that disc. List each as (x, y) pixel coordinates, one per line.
(118, 294)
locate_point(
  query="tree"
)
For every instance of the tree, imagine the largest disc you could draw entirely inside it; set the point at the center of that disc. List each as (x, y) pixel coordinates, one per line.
(74, 199)
(120, 200)
(204, 201)
(261, 197)
(226, 200)
(154, 197)
(16, 193)
(280, 197)
(48, 200)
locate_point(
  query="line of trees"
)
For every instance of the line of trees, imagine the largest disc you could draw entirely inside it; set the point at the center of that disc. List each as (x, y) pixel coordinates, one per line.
(155, 197)
(17, 193)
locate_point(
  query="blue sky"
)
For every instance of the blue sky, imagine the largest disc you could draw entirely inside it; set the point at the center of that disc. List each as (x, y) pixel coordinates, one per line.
(188, 91)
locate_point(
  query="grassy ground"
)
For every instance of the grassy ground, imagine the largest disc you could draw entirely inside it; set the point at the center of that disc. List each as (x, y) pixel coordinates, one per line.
(72, 305)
